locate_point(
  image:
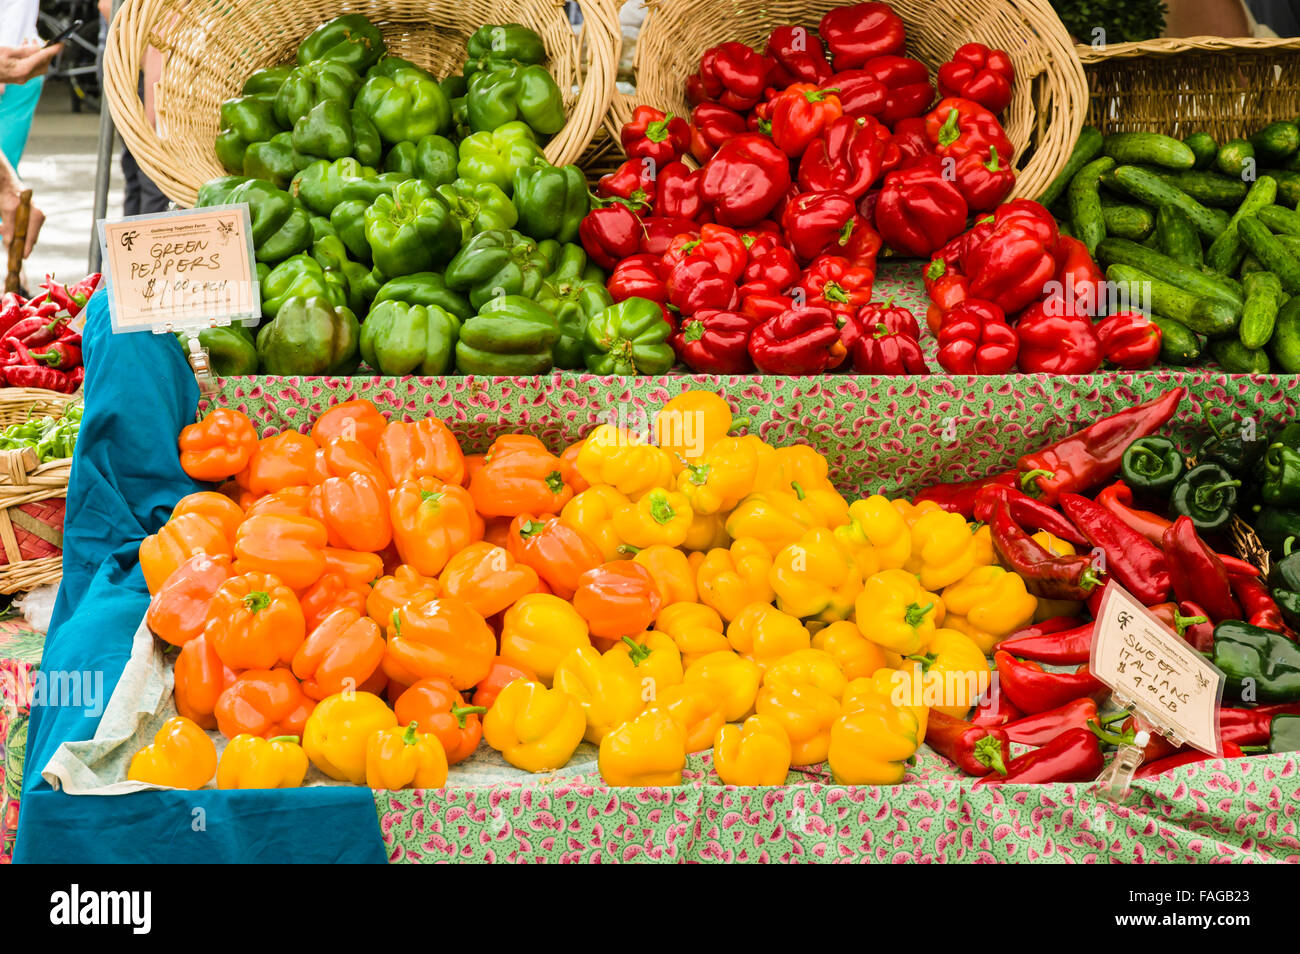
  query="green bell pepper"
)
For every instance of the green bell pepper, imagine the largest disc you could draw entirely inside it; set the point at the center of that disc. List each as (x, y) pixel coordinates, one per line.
(411, 230)
(308, 86)
(454, 85)
(361, 283)
(372, 187)
(509, 93)
(349, 221)
(320, 185)
(300, 276)
(432, 158)
(1284, 733)
(509, 335)
(1261, 664)
(281, 226)
(332, 130)
(276, 160)
(1207, 495)
(267, 81)
(389, 63)
(425, 288)
(405, 106)
(574, 301)
(1152, 465)
(460, 117)
(507, 43)
(551, 200)
(1273, 525)
(398, 338)
(231, 149)
(1280, 486)
(320, 227)
(252, 117)
(497, 262)
(477, 207)
(1284, 578)
(495, 156)
(217, 191)
(351, 39)
(628, 338)
(231, 349)
(1229, 448)
(309, 336)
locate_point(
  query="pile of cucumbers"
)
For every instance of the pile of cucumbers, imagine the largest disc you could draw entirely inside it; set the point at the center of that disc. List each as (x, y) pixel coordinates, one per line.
(1210, 231)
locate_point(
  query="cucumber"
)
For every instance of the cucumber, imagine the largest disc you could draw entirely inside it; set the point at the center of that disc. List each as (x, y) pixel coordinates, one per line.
(1236, 358)
(1249, 265)
(1150, 148)
(1235, 158)
(1210, 318)
(1285, 345)
(1203, 147)
(1276, 142)
(1085, 150)
(1227, 251)
(1263, 299)
(1208, 188)
(1177, 237)
(1151, 190)
(1220, 289)
(1179, 345)
(1290, 242)
(1065, 229)
(1127, 221)
(1085, 203)
(1271, 253)
(1280, 219)
(1288, 186)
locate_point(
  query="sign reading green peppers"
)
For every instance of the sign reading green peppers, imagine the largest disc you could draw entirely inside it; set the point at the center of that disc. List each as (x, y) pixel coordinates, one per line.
(410, 231)
(510, 335)
(398, 338)
(309, 336)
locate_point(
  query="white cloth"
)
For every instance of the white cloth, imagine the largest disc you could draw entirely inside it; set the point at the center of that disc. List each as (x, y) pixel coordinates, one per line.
(18, 21)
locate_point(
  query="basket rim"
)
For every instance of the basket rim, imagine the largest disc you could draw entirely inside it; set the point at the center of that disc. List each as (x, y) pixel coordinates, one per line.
(1172, 46)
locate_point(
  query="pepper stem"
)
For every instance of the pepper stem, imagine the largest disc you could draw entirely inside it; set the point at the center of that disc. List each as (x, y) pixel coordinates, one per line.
(1111, 738)
(460, 712)
(1183, 623)
(284, 738)
(636, 651)
(992, 165)
(915, 614)
(1254, 749)
(408, 736)
(257, 601)
(1090, 579)
(988, 751)
(1114, 717)
(1028, 480)
(949, 132)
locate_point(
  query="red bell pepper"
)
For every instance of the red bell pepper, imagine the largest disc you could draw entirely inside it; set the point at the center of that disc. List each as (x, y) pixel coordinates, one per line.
(798, 341)
(732, 74)
(976, 750)
(835, 283)
(1073, 756)
(633, 182)
(856, 33)
(657, 231)
(919, 209)
(1092, 456)
(849, 156)
(763, 306)
(947, 288)
(994, 709)
(974, 338)
(978, 73)
(798, 56)
(800, 114)
(759, 119)
(1065, 577)
(652, 134)
(1197, 573)
(908, 91)
(1057, 344)
(1257, 604)
(861, 93)
(1034, 690)
(816, 223)
(1043, 727)
(985, 178)
(1022, 215)
(957, 126)
(697, 284)
(712, 124)
(960, 497)
(1131, 560)
(745, 179)
(912, 142)
(1185, 757)
(610, 234)
(770, 268)
(871, 316)
(1011, 259)
(638, 276)
(1129, 340)
(719, 244)
(1025, 511)
(715, 342)
(1080, 282)
(879, 350)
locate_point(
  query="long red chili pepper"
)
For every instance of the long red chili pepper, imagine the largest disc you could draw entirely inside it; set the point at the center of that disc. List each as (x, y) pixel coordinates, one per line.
(960, 497)
(995, 709)
(1067, 648)
(1257, 605)
(1131, 559)
(1252, 726)
(1187, 620)
(975, 749)
(1118, 497)
(1185, 757)
(1043, 727)
(1091, 456)
(1026, 511)
(1056, 624)
(1073, 756)
(1033, 690)
(47, 333)
(1051, 577)
(1197, 573)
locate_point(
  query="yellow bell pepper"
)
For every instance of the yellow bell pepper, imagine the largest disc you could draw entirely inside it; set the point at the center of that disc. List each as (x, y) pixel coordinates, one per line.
(871, 743)
(944, 549)
(622, 459)
(955, 672)
(696, 708)
(672, 572)
(722, 477)
(988, 604)
(765, 634)
(1049, 608)
(757, 753)
(659, 517)
(911, 512)
(592, 512)
(694, 628)
(806, 713)
(180, 756)
(402, 758)
(708, 532)
(1054, 544)
(648, 750)
(539, 631)
(896, 613)
(653, 660)
(690, 424)
(534, 728)
(732, 679)
(795, 464)
(855, 655)
(814, 577)
(876, 535)
(985, 555)
(901, 687)
(729, 580)
(774, 518)
(606, 689)
(250, 761)
(338, 729)
(808, 667)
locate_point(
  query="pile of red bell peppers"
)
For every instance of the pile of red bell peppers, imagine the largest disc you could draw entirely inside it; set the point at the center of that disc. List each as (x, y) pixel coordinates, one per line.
(1069, 491)
(38, 347)
(811, 153)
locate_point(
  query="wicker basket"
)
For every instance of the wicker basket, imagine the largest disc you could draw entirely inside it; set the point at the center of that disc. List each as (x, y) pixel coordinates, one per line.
(32, 497)
(1228, 88)
(211, 46)
(1050, 95)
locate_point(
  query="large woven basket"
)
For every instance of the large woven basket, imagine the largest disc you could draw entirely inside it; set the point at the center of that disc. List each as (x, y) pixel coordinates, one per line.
(1043, 120)
(32, 497)
(1228, 88)
(210, 47)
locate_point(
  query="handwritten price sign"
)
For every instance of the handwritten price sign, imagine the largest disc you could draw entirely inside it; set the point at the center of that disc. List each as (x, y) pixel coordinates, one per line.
(187, 269)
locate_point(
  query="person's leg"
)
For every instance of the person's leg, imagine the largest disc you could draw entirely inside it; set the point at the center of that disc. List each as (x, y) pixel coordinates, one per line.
(17, 109)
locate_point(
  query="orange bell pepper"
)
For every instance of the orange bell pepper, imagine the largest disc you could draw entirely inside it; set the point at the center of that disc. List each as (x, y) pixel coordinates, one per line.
(178, 610)
(539, 631)
(402, 757)
(439, 636)
(178, 540)
(672, 573)
(356, 567)
(180, 756)
(731, 579)
(487, 578)
(473, 464)
(502, 673)
(557, 552)
(393, 592)
(340, 458)
(291, 548)
(617, 599)
(354, 510)
(265, 702)
(217, 509)
(219, 446)
(285, 502)
(431, 522)
(696, 629)
(284, 460)
(254, 622)
(569, 467)
(437, 708)
(331, 592)
(199, 677)
(427, 448)
(519, 476)
(341, 653)
(591, 513)
(695, 707)
(355, 420)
